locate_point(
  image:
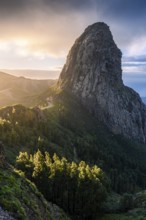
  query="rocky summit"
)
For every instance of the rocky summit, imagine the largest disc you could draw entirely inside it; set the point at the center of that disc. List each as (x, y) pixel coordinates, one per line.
(93, 74)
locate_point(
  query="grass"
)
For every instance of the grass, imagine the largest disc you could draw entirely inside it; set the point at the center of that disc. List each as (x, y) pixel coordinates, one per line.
(21, 198)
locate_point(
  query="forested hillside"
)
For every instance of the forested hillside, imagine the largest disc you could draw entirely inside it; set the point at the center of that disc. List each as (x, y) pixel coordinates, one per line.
(79, 189)
(69, 130)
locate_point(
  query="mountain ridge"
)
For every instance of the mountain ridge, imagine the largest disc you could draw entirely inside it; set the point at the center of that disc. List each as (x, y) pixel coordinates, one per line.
(21, 90)
(33, 73)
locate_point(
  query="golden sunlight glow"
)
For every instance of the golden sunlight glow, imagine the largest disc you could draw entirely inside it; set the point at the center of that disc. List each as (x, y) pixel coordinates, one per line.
(4, 46)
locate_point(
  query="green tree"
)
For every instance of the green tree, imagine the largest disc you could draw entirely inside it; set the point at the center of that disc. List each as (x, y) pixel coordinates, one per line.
(78, 188)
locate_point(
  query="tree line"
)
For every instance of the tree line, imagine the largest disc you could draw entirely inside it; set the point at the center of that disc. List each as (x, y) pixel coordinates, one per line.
(78, 188)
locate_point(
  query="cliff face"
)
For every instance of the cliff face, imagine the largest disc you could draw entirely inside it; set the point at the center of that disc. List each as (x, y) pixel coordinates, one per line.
(93, 74)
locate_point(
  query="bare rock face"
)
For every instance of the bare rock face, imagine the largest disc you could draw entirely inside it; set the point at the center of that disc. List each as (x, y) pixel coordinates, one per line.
(93, 74)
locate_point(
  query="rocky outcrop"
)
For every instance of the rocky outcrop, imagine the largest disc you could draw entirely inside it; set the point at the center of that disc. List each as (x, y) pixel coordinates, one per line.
(93, 74)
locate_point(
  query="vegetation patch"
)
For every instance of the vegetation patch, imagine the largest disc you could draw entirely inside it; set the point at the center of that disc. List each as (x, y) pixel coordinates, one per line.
(21, 198)
(79, 189)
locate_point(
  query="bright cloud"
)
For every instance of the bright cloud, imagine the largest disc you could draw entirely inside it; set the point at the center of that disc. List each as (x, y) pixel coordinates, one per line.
(137, 46)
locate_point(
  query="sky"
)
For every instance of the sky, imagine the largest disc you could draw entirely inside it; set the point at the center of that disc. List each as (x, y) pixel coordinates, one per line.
(37, 34)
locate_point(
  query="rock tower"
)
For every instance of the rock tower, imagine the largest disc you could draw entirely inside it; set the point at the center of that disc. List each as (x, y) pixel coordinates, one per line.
(93, 74)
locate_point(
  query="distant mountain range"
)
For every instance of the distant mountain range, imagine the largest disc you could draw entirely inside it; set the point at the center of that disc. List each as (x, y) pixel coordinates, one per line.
(34, 74)
(20, 90)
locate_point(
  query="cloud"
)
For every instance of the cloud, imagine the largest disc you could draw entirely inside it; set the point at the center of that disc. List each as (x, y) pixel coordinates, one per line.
(140, 58)
(52, 26)
(48, 28)
(23, 8)
(134, 67)
(134, 73)
(20, 4)
(134, 64)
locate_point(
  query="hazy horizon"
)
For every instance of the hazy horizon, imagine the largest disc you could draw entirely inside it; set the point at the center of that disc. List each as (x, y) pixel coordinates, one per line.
(33, 73)
(137, 81)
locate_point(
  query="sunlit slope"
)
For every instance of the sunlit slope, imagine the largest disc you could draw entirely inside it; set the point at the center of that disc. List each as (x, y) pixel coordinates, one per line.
(66, 128)
(22, 199)
(20, 90)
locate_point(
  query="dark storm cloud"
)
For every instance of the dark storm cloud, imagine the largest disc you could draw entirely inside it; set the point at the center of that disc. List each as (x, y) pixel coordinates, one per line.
(28, 10)
(125, 9)
(45, 20)
(126, 19)
(72, 4)
(119, 9)
(9, 7)
(5, 4)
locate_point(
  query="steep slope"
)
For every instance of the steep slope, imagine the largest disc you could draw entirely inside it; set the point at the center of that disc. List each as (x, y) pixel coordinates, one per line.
(93, 74)
(20, 90)
(21, 198)
(69, 130)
